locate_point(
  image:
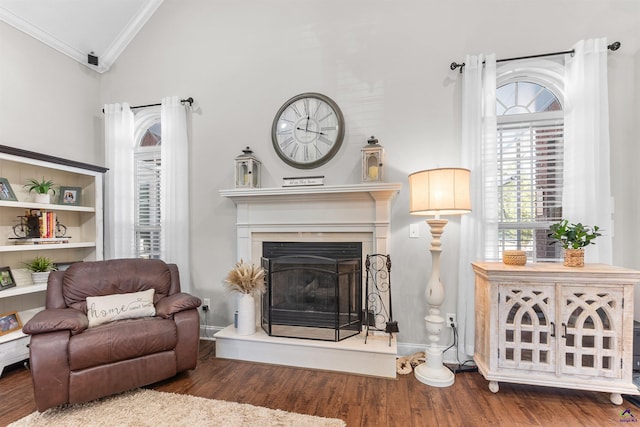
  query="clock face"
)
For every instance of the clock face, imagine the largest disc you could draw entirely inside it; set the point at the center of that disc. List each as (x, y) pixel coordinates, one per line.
(307, 130)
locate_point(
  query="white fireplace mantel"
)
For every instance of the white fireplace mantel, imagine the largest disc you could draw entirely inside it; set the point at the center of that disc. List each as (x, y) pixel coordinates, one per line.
(360, 212)
(358, 208)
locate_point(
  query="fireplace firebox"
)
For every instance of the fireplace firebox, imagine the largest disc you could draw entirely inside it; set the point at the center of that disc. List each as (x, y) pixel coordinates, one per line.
(314, 290)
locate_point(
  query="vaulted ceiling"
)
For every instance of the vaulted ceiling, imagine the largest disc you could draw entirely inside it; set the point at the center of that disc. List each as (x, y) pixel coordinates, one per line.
(77, 28)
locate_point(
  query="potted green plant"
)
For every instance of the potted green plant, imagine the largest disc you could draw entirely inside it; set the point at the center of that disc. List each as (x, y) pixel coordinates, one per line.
(573, 238)
(41, 188)
(40, 268)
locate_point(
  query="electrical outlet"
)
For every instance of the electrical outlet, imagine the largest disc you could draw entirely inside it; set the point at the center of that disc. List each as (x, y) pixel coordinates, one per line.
(206, 304)
(452, 320)
(414, 231)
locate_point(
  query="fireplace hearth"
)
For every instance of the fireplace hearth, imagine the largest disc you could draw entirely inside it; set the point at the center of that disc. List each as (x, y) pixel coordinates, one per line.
(314, 290)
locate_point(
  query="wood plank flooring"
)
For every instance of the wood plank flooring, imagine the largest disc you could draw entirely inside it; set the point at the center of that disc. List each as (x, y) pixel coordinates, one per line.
(364, 401)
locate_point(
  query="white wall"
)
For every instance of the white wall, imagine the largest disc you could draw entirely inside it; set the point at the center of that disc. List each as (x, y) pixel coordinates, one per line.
(48, 102)
(386, 63)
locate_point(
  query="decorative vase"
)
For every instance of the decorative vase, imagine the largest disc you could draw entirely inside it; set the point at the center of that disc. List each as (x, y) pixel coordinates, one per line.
(246, 314)
(574, 257)
(39, 277)
(43, 198)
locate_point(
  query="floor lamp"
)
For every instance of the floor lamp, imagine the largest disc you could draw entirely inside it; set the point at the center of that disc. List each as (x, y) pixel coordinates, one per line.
(437, 192)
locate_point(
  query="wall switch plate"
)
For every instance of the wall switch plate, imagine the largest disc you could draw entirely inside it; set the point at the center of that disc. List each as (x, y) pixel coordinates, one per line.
(414, 231)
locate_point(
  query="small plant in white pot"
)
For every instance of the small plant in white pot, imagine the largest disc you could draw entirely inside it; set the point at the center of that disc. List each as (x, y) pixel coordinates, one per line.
(248, 281)
(573, 238)
(40, 268)
(43, 189)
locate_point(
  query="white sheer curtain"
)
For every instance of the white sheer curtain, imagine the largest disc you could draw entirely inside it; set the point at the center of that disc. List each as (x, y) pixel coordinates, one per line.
(174, 180)
(478, 149)
(119, 206)
(587, 183)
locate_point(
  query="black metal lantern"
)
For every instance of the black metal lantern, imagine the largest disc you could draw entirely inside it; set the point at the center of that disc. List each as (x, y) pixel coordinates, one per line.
(372, 154)
(247, 170)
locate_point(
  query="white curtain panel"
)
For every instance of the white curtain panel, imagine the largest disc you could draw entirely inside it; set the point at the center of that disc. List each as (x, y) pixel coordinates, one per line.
(587, 183)
(174, 179)
(119, 197)
(478, 149)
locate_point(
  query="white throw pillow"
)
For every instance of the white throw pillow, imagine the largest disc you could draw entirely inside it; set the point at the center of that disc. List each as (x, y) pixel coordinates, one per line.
(120, 306)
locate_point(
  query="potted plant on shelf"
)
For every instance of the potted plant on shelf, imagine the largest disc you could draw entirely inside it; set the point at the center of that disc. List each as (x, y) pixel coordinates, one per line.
(40, 268)
(573, 238)
(41, 188)
(248, 281)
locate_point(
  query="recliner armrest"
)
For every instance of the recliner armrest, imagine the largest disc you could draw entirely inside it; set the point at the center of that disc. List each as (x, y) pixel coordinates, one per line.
(56, 319)
(175, 303)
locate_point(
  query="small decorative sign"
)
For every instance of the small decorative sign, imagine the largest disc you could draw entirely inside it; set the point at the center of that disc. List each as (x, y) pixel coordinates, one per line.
(302, 181)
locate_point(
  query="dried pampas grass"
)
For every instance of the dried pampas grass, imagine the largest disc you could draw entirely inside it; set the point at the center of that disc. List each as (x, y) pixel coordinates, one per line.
(246, 279)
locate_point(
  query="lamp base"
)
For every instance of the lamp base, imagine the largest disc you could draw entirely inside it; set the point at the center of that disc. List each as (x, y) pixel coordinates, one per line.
(433, 372)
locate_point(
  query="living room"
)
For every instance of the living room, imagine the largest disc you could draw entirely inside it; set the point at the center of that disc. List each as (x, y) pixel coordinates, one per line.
(385, 64)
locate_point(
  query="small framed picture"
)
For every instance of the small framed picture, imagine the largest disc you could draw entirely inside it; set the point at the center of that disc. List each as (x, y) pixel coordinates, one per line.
(70, 195)
(6, 278)
(6, 193)
(9, 322)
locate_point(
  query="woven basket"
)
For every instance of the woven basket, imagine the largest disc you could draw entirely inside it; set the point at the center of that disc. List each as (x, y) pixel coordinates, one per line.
(574, 257)
(514, 257)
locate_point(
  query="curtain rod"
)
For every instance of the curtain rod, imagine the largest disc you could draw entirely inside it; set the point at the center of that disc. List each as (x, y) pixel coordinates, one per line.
(188, 100)
(613, 47)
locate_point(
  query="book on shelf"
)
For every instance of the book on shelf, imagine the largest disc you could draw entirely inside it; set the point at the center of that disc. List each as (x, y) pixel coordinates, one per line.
(39, 240)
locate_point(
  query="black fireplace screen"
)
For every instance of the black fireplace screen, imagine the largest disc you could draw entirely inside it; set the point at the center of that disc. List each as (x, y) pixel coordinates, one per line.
(312, 296)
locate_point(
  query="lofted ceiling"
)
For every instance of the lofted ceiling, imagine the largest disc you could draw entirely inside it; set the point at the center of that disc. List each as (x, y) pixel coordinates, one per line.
(78, 28)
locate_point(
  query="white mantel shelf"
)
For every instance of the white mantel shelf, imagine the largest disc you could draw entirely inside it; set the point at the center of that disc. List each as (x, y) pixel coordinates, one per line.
(381, 190)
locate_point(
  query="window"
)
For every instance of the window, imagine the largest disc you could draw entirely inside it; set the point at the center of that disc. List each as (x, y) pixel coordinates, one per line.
(147, 193)
(530, 128)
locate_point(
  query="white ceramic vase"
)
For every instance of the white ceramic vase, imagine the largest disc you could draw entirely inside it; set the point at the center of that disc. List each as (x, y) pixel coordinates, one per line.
(246, 314)
(39, 278)
(43, 198)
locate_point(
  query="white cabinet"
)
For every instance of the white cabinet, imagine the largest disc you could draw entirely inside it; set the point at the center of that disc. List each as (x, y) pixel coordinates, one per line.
(546, 324)
(84, 223)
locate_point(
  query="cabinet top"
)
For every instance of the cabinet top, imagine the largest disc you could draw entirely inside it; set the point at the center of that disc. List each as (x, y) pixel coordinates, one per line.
(554, 270)
(52, 159)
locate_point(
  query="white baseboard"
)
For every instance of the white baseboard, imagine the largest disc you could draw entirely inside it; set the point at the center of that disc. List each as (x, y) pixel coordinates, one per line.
(207, 332)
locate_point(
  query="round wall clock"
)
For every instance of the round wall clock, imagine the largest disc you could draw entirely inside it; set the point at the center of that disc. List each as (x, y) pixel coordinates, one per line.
(307, 130)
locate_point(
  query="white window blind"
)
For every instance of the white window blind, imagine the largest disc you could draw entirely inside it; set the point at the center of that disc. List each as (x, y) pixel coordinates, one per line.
(147, 203)
(530, 168)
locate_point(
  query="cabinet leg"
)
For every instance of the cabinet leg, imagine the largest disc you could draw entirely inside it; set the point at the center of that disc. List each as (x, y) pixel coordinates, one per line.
(493, 386)
(616, 398)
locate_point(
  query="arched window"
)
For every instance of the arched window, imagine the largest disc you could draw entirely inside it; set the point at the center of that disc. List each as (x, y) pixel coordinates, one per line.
(530, 132)
(147, 162)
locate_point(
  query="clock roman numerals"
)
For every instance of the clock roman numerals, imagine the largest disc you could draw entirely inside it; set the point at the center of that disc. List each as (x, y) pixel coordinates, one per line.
(287, 142)
(294, 108)
(322, 119)
(307, 130)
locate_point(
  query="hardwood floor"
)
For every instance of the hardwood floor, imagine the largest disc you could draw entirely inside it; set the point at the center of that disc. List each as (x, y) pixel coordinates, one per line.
(364, 401)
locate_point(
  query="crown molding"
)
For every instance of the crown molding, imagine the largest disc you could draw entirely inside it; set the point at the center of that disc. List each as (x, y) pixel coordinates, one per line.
(106, 58)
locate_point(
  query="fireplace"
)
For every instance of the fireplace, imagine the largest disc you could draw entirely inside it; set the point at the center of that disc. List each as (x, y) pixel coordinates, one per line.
(331, 213)
(314, 290)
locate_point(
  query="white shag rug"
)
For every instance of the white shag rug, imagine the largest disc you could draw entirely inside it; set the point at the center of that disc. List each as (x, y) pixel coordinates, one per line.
(143, 407)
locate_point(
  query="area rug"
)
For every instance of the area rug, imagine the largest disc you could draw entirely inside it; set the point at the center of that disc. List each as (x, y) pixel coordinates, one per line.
(143, 407)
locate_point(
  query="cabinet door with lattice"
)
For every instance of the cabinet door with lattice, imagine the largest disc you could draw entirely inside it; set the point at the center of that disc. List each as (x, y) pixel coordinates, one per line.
(526, 327)
(591, 340)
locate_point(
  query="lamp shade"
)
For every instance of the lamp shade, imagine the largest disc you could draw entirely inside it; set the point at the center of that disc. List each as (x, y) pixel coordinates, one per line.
(442, 191)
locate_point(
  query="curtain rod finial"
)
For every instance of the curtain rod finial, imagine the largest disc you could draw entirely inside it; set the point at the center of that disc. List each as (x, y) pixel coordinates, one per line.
(614, 46)
(455, 65)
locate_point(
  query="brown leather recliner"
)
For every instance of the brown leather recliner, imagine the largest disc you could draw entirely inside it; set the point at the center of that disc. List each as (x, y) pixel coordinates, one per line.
(72, 363)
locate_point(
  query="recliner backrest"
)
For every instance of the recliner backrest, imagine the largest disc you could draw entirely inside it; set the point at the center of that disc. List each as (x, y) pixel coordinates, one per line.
(99, 278)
